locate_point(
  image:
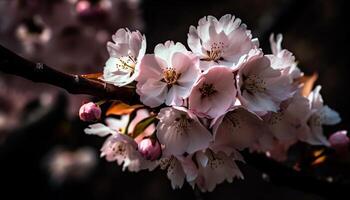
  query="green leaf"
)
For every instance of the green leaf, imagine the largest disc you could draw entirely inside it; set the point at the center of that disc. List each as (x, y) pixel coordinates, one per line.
(120, 108)
(142, 125)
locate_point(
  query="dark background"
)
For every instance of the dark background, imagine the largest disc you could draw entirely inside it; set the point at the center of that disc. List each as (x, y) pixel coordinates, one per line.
(315, 31)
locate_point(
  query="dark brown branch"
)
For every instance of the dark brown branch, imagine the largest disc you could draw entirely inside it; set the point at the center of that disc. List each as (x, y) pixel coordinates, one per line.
(11, 63)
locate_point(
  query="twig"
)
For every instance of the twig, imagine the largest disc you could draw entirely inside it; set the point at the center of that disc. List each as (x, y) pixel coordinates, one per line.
(11, 63)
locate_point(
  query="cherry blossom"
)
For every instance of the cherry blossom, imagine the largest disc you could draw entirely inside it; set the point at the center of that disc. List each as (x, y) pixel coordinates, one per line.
(319, 115)
(237, 129)
(214, 168)
(220, 42)
(123, 149)
(179, 169)
(126, 51)
(120, 147)
(207, 105)
(181, 132)
(214, 92)
(262, 88)
(290, 120)
(167, 75)
(282, 58)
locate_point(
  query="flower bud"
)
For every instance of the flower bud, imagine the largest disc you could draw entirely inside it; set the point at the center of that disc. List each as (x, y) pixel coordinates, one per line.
(339, 141)
(90, 112)
(149, 149)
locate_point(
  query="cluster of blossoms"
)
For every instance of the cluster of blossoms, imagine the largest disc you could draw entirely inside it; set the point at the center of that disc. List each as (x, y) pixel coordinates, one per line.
(204, 105)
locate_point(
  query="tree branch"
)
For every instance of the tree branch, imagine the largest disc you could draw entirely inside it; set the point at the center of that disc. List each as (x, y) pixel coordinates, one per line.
(11, 63)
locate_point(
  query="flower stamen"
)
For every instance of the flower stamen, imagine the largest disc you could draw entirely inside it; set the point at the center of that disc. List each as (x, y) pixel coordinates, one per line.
(254, 84)
(216, 52)
(170, 76)
(207, 90)
(127, 63)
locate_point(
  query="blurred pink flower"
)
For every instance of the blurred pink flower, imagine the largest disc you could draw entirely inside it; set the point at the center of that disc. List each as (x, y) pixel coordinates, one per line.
(63, 164)
(220, 42)
(167, 75)
(180, 131)
(214, 92)
(340, 141)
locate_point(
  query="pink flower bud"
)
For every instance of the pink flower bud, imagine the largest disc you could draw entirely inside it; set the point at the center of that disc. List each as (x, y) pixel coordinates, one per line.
(149, 149)
(90, 112)
(339, 141)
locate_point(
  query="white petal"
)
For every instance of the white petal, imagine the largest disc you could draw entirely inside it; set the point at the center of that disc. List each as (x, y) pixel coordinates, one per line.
(99, 129)
(152, 92)
(329, 116)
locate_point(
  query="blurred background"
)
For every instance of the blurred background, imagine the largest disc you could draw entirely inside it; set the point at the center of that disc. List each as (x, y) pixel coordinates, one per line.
(44, 153)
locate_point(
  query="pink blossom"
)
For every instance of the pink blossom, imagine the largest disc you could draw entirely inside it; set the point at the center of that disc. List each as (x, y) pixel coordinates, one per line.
(181, 132)
(283, 59)
(90, 112)
(319, 115)
(214, 168)
(123, 149)
(120, 147)
(126, 51)
(262, 88)
(214, 92)
(220, 42)
(291, 120)
(340, 141)
(237, 129)
(149, 149)
(167, 75)
(178, 169)
(64, 164)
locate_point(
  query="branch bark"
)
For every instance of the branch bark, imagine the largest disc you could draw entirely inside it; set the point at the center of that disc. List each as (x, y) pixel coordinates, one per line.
(11, 63)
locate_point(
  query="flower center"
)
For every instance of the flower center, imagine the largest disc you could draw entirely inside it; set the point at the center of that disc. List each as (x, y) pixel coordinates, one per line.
(119, 149)
(216, 51)
(126, 63)
(170, 76)
(214, 162)
(254, 84)
(207, 90)
(182, 123)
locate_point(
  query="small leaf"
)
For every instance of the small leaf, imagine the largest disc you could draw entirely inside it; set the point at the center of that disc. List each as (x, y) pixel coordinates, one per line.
(308, 82)
(122, 109)
(319, 160)
(142, 125)
(93, 76)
